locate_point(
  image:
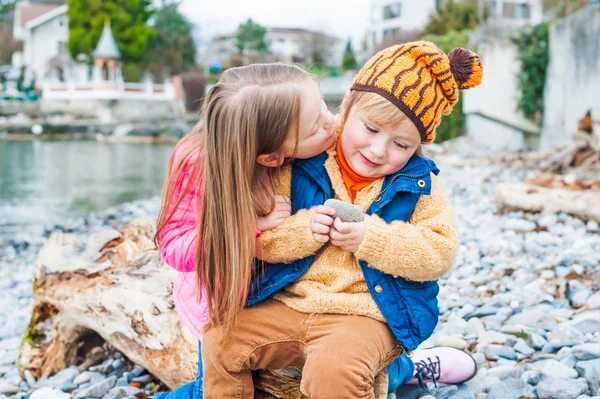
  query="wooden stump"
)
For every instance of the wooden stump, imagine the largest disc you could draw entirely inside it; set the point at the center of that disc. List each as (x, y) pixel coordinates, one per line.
(116, 287)
(519, 196)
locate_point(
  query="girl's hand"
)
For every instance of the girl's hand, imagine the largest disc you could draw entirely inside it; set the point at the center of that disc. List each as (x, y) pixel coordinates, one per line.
(321, 223)
(283, 210)
(348, 236)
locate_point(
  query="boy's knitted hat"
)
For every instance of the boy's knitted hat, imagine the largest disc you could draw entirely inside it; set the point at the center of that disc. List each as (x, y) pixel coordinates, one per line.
(421, 80)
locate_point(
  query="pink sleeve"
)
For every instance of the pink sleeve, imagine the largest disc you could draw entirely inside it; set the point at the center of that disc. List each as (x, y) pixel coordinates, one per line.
(179, 236)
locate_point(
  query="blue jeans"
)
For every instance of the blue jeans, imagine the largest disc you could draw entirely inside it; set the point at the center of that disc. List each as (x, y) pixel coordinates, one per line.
(399, 373)
(193, 390)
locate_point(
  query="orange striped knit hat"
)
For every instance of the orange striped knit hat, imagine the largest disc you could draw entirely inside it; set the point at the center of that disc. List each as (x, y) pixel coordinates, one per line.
(421, 80)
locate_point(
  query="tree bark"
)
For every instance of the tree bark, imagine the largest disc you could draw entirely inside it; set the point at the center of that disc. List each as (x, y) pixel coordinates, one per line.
(580, 203)
(116, 286)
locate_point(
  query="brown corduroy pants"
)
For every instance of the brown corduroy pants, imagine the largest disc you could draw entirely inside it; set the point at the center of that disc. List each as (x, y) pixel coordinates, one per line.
(340, 354)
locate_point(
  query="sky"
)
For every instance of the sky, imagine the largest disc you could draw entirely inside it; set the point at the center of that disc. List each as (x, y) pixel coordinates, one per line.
(342, 18)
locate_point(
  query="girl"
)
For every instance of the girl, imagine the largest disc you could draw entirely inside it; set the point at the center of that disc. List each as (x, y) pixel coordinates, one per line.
(254, 118)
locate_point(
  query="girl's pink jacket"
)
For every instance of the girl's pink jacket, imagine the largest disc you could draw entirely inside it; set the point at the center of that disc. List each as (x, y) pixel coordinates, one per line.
(179, 240)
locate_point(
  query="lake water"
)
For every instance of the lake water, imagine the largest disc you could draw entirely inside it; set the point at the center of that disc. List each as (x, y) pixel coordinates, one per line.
(44, 182)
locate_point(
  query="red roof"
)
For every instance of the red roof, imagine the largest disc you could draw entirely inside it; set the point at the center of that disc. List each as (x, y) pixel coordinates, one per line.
(30, 11)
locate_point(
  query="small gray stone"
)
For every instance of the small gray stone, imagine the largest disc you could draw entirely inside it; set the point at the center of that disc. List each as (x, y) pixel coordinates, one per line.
(511, 341)
(463, 393)
(511, 388)
(498, 351)
(586, 351)
(117, 364)
(554, 369)
(561, 388)
(592, 226)
(532, 377)
(593, 301)
(569, 361)
(143, 379)
(348, 213)
(9, 389)
(479, 358)
(590, 370)
(129, 390)
(587, 326)
(82, 378)
(522, 347)
(549, 348)
(29, 378)
(49, 393)
(63, 379)
(135, 372)
(533, 318)
(504, 372)
(537, 341)
(98, 389)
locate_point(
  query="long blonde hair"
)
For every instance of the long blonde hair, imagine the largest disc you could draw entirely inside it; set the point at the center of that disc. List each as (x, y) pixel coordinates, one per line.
(250, 111)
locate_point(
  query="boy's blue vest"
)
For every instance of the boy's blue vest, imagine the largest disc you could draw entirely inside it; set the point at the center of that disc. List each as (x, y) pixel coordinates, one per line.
(410, 308)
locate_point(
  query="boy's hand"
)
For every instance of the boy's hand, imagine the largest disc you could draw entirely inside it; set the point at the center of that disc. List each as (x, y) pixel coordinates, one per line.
(283, 210)
(321, 223)
(348, 236)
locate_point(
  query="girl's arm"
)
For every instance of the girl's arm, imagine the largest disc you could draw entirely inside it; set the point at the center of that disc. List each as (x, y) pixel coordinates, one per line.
(293, 239)
(424, 249)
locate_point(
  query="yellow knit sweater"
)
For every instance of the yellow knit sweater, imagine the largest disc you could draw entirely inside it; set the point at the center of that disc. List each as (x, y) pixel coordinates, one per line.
(422, 250)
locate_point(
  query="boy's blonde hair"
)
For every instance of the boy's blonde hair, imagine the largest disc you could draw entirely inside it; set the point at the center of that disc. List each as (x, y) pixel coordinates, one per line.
(381, 111)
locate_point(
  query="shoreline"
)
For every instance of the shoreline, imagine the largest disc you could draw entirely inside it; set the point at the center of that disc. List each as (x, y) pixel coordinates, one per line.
(89, 137)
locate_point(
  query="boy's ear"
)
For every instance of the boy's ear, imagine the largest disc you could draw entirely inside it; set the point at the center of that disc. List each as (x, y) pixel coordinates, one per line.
(272, 160)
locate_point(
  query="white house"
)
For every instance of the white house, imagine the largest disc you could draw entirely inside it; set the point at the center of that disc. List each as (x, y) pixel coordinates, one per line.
(302, 45)
(44, 31)
(287, 44)
(390, 17)
(516, 11)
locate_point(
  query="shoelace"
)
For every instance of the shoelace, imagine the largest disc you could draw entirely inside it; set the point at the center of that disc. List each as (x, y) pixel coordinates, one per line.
(428, 370)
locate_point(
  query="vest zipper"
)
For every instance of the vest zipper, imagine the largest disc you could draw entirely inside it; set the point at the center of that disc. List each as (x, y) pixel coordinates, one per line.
(394, 180)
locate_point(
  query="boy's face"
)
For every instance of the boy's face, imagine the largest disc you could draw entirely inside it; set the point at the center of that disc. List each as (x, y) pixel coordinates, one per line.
(374, 150)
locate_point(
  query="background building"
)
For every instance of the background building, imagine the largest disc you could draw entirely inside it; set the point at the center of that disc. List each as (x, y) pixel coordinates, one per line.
(44, 31)
(286, 44)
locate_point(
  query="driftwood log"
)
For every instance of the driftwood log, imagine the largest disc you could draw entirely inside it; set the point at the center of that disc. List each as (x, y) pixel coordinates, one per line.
(527, 197)
(582, 151)
(116, 288)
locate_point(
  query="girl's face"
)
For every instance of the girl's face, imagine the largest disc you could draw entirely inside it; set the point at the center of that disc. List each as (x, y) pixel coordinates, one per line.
(316, 127)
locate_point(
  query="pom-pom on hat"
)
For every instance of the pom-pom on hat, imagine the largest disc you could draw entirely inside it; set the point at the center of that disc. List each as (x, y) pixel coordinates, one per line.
(421, 80)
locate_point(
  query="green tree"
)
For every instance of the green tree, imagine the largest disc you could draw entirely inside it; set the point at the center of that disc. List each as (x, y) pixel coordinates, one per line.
(453, 15)
(349, 60)
(251, 36)
(534, 54)
(129, 23)
(7, 8)
(452, 125)
(171, 48)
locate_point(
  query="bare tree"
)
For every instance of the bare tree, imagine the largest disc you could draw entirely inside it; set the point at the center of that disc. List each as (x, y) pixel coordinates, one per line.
(8, 45)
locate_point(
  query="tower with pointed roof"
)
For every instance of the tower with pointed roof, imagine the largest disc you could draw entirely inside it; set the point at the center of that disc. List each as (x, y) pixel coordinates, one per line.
(107, 57)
